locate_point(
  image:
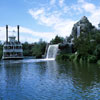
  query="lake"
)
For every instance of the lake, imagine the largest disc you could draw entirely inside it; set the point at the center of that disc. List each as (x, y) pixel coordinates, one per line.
(31, 79)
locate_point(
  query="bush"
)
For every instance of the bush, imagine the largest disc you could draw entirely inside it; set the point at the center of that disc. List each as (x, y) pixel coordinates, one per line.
(62, 57)
(72, 56)
(92, 59)
(27, 49)
(39, 49)
(97, 51)
(98, 62)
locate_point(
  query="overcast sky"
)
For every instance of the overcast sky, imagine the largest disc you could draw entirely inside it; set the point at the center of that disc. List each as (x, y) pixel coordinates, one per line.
(44, 19)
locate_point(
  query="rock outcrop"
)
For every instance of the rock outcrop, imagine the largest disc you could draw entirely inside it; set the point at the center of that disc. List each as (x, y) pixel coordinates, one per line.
(85, 26)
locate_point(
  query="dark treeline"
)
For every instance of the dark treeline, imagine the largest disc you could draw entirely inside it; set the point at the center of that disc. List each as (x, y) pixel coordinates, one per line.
(27, 49)
(38, 49)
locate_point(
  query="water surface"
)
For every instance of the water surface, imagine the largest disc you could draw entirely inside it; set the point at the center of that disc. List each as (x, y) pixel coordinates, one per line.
(48, 80)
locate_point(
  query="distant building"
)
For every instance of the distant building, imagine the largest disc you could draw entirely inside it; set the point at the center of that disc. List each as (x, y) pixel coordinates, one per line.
(12, 49)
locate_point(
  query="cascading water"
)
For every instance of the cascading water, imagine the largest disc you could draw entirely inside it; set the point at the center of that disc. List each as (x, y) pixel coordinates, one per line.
(52, 51)
(78, 31)
(51, 54)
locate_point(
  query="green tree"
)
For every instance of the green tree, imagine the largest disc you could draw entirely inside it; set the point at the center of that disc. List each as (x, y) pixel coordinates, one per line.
(39, 49)
(57, 40)
(27, 49)
(82, 45)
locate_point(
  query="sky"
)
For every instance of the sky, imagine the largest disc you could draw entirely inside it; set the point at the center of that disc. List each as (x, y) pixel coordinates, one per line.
(44, 19)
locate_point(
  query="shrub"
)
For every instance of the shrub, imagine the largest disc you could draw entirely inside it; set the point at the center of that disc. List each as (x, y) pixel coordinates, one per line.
(92, 59)
(98, 62)
(39, 49)
(72, 56)
(97, 51)
(62, 57)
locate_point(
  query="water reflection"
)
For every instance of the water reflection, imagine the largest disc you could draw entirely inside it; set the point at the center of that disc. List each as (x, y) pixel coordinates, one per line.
(49, 80)
(52, 70)
(85, 74)
(13, 74)
(12, 79)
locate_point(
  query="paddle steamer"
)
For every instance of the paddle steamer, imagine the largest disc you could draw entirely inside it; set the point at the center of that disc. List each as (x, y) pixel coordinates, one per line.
(12, 48)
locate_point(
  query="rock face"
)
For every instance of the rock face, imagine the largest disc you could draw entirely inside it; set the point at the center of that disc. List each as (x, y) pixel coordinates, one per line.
(84, 25)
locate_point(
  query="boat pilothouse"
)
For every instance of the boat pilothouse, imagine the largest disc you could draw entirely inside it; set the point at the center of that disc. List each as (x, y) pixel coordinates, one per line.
(12, 49)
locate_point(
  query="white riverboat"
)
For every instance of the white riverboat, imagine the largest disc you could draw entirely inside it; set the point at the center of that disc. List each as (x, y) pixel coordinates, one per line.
(12, 49)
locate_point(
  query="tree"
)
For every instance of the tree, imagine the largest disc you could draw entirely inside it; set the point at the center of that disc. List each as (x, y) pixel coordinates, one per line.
(39, 49)
(82, 45)
(27, 49)
(57, 40)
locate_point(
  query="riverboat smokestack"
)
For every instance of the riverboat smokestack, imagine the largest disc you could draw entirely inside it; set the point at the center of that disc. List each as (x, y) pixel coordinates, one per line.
(6, 33)
(18, 32)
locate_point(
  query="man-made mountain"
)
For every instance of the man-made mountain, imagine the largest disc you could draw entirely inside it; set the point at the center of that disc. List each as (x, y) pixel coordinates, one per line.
(83, 26)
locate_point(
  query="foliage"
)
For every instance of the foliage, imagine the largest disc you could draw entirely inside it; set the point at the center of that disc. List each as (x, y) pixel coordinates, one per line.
(27, 49)
(65, 48)
(88, 46)
(97, 51)
(62, 57)
(72, 56)
(97, 37)
(92, 59)
(82, 45)
(36, 49)
(39, 49)
(57, 40)
(98, 62)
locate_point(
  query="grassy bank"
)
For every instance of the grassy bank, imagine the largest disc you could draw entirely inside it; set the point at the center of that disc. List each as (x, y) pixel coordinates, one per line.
(77, 58)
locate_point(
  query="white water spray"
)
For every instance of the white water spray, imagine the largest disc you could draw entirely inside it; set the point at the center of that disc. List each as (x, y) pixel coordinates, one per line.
(52, 51)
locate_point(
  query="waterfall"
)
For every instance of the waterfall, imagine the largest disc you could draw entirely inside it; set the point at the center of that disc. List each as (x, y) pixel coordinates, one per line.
(78, 31)
(52, 51)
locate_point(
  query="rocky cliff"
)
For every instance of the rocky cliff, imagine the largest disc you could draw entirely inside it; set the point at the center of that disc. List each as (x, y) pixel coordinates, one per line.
(84, 25)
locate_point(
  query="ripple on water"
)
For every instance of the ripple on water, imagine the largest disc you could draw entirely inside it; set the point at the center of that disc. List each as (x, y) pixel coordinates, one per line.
(42, 79)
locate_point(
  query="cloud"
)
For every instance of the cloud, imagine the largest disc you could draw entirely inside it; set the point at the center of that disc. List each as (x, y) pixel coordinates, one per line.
(95, 17)
(94, 11)
(88, 7)
(81, 1)
(36, 14)
(60, 26)
(52, 2)
(61, 3)
(57, 18)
